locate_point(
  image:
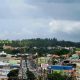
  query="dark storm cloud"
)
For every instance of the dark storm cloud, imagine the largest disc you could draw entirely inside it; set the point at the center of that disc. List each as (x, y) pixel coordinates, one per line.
(58, 9)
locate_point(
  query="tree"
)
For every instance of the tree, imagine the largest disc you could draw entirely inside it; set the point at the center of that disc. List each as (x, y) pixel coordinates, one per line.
(13, 74)
(30, 75)
(15, 51)
(63, 51)
(58, 76)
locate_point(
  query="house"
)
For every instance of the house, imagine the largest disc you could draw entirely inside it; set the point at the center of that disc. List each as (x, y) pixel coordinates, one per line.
(4, 70)
(7, 47)
(3, 54)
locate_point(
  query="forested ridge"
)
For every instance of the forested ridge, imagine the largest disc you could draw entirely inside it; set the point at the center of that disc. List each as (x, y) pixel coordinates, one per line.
(41, 46)
(39, 43)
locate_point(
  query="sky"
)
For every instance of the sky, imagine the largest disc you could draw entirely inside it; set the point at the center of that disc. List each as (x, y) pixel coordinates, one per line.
(26, 19)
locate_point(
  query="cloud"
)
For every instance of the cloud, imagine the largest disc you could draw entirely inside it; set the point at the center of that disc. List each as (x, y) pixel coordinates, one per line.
(15, 9)
(23, 28)
(53, 1)
(39, 18)
(64, 26)
(39, 9)
(58, 9)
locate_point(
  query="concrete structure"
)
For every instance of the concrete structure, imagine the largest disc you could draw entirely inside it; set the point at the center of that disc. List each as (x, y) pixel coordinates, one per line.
(7, 47)
(4, 70)
(3, 78)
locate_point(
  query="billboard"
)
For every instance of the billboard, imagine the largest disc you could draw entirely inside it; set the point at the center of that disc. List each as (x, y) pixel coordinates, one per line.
(59, 67)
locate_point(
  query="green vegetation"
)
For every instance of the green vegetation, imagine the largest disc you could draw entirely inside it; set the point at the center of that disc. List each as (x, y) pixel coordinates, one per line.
(13, 74)
(30, 75)
(77, 49)
(41, 46)
(58, 76)
(39, 43)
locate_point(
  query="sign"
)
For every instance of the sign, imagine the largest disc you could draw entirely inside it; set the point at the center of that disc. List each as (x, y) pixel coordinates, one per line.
(43, 60)
(67, 67)
(44, 66)
(59, 67)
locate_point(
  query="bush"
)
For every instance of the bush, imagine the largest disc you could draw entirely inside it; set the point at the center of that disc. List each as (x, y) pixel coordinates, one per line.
(13, 74)
(30, 75)
(58, 76)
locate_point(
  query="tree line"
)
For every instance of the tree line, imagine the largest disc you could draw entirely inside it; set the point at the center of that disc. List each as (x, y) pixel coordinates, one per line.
(38, 42)
(38, 45)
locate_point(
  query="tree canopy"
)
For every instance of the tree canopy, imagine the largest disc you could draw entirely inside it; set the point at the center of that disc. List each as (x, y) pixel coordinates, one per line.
(41, 46)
